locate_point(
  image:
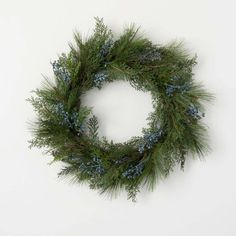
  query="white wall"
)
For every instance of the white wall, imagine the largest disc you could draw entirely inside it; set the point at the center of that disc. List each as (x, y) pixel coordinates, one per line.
(33, 202)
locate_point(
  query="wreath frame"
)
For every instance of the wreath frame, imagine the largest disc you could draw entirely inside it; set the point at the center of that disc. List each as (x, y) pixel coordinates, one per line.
(69, 131)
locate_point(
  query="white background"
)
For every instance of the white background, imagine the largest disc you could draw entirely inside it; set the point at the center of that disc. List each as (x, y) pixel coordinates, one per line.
(34, 202)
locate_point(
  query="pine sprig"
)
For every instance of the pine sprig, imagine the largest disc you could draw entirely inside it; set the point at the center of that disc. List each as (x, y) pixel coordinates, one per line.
(93, 127)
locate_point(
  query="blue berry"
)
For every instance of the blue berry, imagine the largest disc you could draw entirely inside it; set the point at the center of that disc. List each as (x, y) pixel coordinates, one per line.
(63, 114)
(194, 112)
(99, 78)
(133, 171)
(67, 119)
(60, 71)
(171, 89)
(151, 55)
(93, 167)
(149, 139)
(141, 148)
(79, 127)
(106, 47)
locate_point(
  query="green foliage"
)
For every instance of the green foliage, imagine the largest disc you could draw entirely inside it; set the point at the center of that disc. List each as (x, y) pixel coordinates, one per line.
(93, 127)
(69, 131)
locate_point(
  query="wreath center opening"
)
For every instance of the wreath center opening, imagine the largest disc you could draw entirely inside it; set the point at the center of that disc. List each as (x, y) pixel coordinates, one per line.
(121, 110)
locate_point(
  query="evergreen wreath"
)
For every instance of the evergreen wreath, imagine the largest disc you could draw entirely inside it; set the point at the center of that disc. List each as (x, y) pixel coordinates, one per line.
(69, 131)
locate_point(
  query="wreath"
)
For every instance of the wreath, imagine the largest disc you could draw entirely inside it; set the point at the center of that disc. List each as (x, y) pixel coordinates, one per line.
(69, 131)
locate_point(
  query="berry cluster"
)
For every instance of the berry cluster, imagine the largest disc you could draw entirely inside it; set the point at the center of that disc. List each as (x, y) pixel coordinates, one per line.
(63, 114)
(150, 56)
(171, 89)
(60, 72)
(78, 126)
(106, 48)
(99, 78)
(133, 171)
(70, 120)
(194, 112)
(149, 139)
(93, 167)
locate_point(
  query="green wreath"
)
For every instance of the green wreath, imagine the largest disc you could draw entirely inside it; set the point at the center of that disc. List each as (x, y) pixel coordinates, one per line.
(69, 131)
